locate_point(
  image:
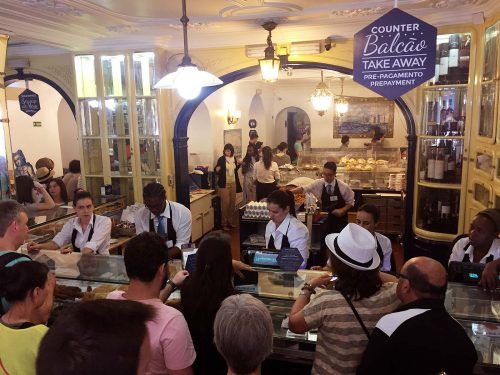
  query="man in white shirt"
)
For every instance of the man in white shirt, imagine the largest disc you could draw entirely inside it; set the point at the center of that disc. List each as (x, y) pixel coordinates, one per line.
(368, 217)
(171, 220)
(88, 233)
(483, 244)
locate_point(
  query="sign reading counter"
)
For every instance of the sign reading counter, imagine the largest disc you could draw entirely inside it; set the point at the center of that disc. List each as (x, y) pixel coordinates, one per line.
(29, 102)
(394, 54)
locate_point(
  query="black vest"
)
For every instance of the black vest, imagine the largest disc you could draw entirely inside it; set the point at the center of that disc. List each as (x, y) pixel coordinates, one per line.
(466, 257)
(334, 224)
(171, 235)
(285, 243)
(75, 233)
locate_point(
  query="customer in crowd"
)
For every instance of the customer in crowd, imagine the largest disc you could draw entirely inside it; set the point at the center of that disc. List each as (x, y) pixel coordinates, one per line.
(482, 245)
(420, 337)
(58, 192)
(32, 194)
(247, 165)
(253, 138)
(146, 263)
(306, 139)
(171, 220)
(346, 315)
(266, 174)
(284, 230)
(73, 179)
(98, 337)
(228, 184)
(258, 147)
(13, 230)
(243, 333)
(28, 287)
(377, 137)
(88, 233)
(202, 295)
(43, 175)
(344, 142)
(282, 157)
(4, 179)
(297, 149)
(368, 217)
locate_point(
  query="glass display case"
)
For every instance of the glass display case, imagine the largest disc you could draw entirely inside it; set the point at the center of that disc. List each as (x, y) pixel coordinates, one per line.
(441, 148)
(358, 167)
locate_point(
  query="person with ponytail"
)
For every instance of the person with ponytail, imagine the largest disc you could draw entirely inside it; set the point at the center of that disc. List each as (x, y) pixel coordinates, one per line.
(266, 174)
(202, 294)
(28, 287)
(284, 230)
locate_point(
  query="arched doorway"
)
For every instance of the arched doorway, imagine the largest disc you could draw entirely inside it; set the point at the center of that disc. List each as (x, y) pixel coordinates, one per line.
(181, 124)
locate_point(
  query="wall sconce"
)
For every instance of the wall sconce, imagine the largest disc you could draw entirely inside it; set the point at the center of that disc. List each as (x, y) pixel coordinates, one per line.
(233, 116)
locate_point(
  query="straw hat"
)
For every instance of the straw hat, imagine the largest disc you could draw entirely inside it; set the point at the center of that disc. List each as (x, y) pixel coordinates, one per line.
(44, 162)
(44, 174)
(354, 246)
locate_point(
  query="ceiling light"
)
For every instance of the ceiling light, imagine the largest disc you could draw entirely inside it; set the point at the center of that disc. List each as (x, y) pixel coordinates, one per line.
(269, 65)
(341, 104)
(187, 79)
(321, 98)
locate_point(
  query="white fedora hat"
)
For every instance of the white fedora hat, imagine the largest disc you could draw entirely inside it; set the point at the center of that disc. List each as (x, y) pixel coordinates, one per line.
(354, 246)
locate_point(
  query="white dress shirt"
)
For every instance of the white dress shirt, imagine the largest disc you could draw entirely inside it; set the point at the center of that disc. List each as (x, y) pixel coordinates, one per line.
(316, 188)
(385, 244)
(266, 176)
(298, 235)
(181, 221)
(458, 252)
(99, 242)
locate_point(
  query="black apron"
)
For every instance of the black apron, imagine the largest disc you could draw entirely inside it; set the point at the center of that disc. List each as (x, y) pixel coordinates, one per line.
(466, 257)
(284, 241)
(75, 233)
(333, 224)
(380, 252)
(171, 235)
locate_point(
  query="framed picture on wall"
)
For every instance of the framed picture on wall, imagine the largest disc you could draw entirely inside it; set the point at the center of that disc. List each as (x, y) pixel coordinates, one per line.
(364, 115)
(233, 136)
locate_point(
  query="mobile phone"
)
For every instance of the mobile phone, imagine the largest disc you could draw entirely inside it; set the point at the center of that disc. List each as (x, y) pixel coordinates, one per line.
(334, 278)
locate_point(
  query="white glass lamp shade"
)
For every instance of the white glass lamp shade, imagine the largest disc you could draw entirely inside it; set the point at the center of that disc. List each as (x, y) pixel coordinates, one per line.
(269, 69)
(321, 98)
(341, 105)
(188, 80)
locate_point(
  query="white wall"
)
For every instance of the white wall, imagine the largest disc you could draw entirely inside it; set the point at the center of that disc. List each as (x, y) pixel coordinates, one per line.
(44, 141)
(200, 138)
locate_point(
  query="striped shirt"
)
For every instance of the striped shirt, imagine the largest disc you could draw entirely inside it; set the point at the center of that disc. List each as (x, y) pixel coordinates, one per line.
(341, 340)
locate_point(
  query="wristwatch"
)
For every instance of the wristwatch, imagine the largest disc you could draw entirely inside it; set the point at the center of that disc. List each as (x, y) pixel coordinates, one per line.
(172, 284)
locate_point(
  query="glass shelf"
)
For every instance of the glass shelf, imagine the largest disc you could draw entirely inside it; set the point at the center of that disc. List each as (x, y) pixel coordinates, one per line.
(440, 160)
(438, 210)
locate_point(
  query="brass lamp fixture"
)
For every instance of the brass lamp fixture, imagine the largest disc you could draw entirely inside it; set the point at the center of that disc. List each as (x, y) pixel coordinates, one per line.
(269, 65)
(233, 117)
(187, 79)
(321, 98)
(341, 104)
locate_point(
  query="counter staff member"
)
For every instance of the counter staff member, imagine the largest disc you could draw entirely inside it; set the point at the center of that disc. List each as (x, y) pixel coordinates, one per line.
(171, 220)
(368, 217)
(87, 232)
(284, 230)
(483, 244)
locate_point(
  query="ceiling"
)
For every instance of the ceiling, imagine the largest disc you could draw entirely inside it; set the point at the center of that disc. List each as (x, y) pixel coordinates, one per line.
(52, 26)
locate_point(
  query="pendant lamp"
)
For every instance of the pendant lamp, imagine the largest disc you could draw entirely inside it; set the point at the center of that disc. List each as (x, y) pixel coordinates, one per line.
(269, 65)
(187, 79)
(321, 98)
(341, 104)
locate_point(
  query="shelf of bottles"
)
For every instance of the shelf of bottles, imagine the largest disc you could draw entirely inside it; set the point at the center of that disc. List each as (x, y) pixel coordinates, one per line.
(489, 83)
(441, 140)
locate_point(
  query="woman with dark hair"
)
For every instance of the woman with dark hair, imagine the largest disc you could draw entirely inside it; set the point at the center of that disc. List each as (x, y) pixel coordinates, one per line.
(281, 157)
(73, 179)
(28, 287)
(57, 191)
(378, 137)
(32, 194)
(247, 170)
(266, 174)
(284, 230)
(344, 142)
(346, 315)
(228, 184)
(202, 294)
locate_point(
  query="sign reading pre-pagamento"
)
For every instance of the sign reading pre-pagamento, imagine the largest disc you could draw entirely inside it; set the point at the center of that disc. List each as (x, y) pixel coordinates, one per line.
(394, 54)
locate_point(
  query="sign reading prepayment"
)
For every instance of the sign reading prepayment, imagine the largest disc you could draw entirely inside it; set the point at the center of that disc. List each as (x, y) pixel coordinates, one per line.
(394, 54)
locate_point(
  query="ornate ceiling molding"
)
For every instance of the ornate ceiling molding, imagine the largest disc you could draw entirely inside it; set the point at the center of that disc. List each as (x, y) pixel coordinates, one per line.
(359, 12)
(123, 29)
(443, 4)
(258, 7)
(53, 6)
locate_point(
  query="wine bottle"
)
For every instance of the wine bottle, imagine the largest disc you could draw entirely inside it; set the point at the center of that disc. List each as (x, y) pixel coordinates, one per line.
(443, 62)
(452, 167)
(431, 163)
(464, 58)
(439, 166)
(437, 66)
(453, 59)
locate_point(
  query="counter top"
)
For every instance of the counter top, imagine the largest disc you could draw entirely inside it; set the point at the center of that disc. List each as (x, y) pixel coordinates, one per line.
(198, 194)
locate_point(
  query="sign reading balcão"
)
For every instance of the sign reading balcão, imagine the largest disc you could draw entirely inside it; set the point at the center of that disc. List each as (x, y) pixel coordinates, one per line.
(394, 54)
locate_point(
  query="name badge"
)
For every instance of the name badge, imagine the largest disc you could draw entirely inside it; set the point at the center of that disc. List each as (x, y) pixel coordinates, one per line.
(170, 244)
(333, 198)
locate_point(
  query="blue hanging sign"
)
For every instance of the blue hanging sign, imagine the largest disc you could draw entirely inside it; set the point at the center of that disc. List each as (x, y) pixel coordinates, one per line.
(394, 54)
(289, 259)
(29, 102)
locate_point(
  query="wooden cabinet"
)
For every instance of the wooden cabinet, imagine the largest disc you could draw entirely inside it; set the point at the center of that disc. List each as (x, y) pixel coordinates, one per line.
(391, 211)
(202, 213)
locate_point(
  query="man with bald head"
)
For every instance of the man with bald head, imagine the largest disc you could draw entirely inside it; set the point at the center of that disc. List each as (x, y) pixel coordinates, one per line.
(420, 337)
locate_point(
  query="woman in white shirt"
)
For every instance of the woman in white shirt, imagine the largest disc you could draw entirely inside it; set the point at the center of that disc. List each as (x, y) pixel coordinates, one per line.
(284, 230)
(266, 174)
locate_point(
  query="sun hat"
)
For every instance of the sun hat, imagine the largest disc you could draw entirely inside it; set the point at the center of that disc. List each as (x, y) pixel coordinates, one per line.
(44, 174)
(44, 162)
(354, 246)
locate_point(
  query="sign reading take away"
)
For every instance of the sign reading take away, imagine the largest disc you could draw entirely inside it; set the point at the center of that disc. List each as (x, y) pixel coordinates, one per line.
(29, 102)
(394, 54)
